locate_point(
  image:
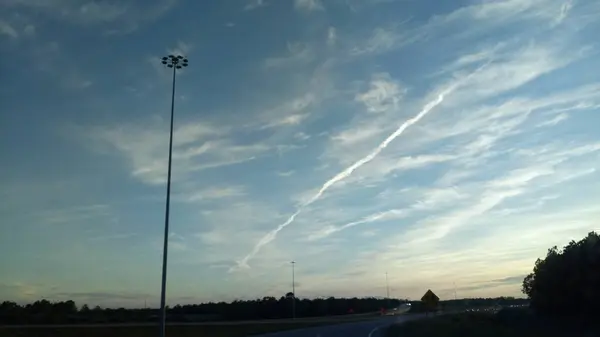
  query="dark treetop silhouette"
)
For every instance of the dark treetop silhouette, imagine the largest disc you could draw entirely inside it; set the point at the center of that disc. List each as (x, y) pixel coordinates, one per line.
(45, 312)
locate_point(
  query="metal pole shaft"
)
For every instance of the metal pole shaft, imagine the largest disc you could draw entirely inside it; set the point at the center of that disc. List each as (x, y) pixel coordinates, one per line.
(387, 289)
(293, 291)
(163, 290)
(454, 291)
(387, 286)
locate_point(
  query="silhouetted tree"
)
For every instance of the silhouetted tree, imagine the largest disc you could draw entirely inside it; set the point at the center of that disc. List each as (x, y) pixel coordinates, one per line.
(567, 281)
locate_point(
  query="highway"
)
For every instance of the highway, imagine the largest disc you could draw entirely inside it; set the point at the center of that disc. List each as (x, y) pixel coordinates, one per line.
(345, 326)
(371, 328)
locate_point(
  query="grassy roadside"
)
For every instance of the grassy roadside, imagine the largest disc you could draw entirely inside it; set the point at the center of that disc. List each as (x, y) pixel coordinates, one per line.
(212, 330)
(151, 331)
(485, 324)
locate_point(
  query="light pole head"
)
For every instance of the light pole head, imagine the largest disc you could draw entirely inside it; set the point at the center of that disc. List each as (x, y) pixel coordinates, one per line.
(173, 61)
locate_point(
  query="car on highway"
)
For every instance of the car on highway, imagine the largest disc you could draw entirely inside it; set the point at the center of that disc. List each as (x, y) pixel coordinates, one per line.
(401, 309)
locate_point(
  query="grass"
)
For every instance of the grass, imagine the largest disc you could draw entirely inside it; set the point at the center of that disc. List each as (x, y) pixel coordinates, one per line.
(208, 330)
(152, 331)
(511, 324)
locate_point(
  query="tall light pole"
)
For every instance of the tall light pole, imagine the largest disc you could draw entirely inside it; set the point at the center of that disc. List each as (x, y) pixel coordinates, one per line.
(175, 62)
(387, 289)
(454, 291)
(293, 291)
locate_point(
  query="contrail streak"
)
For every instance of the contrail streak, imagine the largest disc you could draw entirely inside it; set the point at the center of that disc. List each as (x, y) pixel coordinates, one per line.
(348, 171)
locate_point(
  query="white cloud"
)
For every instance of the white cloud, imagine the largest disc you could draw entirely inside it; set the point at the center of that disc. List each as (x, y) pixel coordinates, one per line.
(182, 49)
(8, 30)
(229, 229)
(499, 121)
(385, 39)
(301, 136)
(293, 119)
(309, 5)
(76, 81)
(383, 94)
(380, 168)
(331, 36)
(196, 146)
(73, 215)
(285, 174)
(121, 18)
(357, 135)
(430, 105)
(496, 13)
(16, 27)
(564, 11)
(100, 11)
(213, 193)
(288, 113)
(537, 174)
(29, 30)
(466, 261)
(297, 53)
(437, 198)
(254, 4)
(380, 216)
(555, 120)
(514, 69)
(503, 70)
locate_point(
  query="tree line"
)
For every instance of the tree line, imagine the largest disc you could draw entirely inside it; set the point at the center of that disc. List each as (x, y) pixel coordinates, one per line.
(67, 312)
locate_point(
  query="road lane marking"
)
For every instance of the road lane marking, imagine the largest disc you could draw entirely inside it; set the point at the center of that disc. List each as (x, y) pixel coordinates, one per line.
(373, 331)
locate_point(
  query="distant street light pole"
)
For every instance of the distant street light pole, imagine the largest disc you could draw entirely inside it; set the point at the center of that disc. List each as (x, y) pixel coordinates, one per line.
(387, 289)
(387, 286)
(293, 291)
(454, 290)
(175, 62)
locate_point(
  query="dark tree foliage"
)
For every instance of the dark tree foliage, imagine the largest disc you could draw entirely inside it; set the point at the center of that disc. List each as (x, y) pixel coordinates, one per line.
(45, 312)
(567, 281)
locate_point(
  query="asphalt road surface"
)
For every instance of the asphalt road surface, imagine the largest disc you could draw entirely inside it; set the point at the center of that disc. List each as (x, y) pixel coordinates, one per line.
(372, 328)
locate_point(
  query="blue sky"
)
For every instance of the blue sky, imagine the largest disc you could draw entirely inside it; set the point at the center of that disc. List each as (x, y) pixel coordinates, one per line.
(448, 143)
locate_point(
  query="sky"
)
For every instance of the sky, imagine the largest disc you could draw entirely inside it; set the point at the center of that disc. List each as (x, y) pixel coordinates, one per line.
(448, 144)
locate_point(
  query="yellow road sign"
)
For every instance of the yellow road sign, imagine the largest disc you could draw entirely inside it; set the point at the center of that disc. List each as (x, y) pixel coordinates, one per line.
(430, 299)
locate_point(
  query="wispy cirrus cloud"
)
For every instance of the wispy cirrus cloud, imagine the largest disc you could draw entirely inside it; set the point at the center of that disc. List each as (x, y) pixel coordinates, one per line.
(197, 146)
(74, 214)
(297, 53)
(254, 4)
(123, 17)
(385, 39)
(213, 193)
(383, 94)
(348, 171)
(504, 72)
(331, 36)
(8, 30)
(309, 5)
